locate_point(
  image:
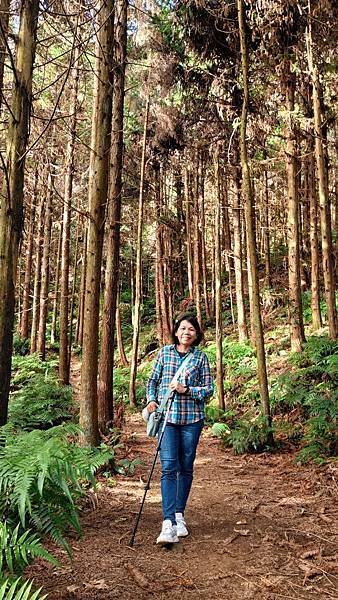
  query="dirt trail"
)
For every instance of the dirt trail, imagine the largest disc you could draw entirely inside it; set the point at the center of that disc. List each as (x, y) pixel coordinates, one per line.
(260, 528)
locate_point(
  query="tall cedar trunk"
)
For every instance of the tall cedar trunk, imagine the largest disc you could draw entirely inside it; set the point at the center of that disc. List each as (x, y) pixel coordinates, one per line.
(203, 245)
(41, 335)
(4, 19)
(24, 326)
(105, 380)
(80, 316)
(11, 209)
(161, 296)
(218, 285)
(97, 198)
(314, 248)
(266, 229)
(238, 253)
(324, 200)
(180, 218)
(138, 274)
(73, 293)
(295, 300)
(64, 363)
(197, 242)
(37, 276)
(229, 263)
(56, 289)
(187, 198)
(249, 203)
(120, 346)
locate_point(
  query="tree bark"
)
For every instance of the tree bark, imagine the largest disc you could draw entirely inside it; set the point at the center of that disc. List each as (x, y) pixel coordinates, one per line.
(138, 275)
(97, 198)
(64, 363)
(43, 305)
(106, 364)
(295, 301)
(187, 198)
(56, 289)
(37, 277)
(249, 202)
(238, 252)
(4, 19)
(218, 286)
(11, 209)
(24, 326)
(324, 200)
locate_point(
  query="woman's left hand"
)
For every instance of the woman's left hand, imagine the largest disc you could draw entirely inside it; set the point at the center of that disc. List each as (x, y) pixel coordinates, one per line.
(178, 387)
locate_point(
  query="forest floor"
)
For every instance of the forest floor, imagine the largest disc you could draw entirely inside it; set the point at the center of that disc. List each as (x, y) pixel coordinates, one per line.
(260, 526)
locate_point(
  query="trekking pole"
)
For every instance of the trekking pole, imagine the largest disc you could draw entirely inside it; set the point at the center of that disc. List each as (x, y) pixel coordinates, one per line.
(147, 487)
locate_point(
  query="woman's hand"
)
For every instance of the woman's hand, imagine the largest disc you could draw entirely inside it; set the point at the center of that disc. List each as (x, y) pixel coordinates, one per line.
(152, 406)
(177, 387)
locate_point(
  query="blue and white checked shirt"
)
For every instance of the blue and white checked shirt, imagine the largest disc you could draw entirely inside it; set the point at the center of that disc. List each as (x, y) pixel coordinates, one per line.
(185, 408)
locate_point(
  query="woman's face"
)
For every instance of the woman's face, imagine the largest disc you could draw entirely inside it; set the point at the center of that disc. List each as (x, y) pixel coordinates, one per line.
(186, 333)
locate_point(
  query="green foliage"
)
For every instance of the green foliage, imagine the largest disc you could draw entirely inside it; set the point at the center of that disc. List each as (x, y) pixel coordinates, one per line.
(126, 466)
(40, 404)
(25, 368)
(19, 549)
(20, 346)
(40, 476)
(248, 434)
(19, 590)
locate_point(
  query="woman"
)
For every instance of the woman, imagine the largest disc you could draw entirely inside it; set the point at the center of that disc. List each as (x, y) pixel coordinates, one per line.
(185, 420)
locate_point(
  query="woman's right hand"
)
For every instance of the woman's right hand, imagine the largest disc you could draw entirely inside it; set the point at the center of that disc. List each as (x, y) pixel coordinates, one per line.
(152, 406)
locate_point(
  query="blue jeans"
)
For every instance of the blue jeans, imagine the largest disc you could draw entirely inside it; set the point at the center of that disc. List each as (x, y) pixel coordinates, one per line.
(177, 453)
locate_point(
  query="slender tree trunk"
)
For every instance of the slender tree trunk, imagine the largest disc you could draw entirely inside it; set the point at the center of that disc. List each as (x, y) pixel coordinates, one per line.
(120, 346)
(187, 196)
(24, 327)
(37, 277)
(64, 363)
(315, 290)
(249, 204)
(4, 19)
(41, 335)
(80, 316)
(180, 217)
(97, 198)
(218, 286)
(138, 275)
(73, 293)
(295, 300)
(203, 245)
(266, 231)
(105, 380)
(324, 200)
(56, 289)
(238, 254)
(197, 242)
(11, 208)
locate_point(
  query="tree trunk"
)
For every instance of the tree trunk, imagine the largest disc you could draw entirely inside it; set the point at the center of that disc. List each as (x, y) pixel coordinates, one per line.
(11, 209)
(197, 242)
(56, 290)
(249, 203)
(37, 277)
(105, 380)
(315, 289)
(80, 316)
(203, 245)
(97, 198)
(266, 231)
(218, 286)
(24, 326)
(138, 275)
(324, 200)
(295, 300)
(187, 197)
(120, 347)
(64, 363)
(238, 254)
(4, 19)
(41, 336)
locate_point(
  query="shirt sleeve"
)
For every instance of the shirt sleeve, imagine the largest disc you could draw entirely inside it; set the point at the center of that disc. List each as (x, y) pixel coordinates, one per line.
(154, 379)
(206, 389)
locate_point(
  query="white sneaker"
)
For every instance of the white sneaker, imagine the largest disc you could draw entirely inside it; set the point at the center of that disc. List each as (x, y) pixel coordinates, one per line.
(182, 530)
(168, 534)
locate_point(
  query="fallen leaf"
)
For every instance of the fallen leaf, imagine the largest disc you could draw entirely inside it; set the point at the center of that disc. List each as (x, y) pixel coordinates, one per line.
(140, 579)
(97, 584)
(242, 531)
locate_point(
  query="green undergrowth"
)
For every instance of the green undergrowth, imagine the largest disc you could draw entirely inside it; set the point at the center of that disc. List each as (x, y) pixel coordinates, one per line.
(43, 477)
(303, 399)
(37, 400)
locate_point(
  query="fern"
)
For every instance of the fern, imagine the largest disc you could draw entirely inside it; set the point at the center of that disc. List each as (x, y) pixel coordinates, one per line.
(18, 550)
(19, 590)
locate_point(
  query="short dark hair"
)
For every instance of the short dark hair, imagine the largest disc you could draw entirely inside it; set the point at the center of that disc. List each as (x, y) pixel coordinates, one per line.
(194, 322)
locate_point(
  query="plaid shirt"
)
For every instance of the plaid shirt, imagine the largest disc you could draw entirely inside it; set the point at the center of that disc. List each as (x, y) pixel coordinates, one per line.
(185, 408)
